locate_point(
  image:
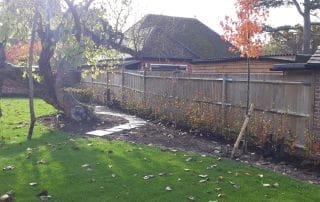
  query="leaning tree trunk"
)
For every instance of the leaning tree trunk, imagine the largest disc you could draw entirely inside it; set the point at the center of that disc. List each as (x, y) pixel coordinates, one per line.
(55, 88)
(46, 71)
(51, 88)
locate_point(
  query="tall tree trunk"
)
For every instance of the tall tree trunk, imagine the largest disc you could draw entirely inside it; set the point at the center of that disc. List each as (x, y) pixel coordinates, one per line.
(2, 54)
(307, 29)
(307, 34)
(31, 88)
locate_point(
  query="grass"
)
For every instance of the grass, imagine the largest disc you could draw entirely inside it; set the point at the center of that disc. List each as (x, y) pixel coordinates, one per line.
(115, 170)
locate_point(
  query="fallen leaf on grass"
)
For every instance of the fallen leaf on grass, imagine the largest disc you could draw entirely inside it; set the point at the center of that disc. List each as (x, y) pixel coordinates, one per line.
(147, 177)
(42, 161)
(221, 195)
(7, 196)
(266, 185)
(10, 167)
(85, 165)
(188, 159)
(203, 176)
(168, 188)
(204, 180)
(33, 184)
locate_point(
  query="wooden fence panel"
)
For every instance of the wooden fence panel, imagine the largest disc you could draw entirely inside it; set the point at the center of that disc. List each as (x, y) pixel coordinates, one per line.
(282, 104)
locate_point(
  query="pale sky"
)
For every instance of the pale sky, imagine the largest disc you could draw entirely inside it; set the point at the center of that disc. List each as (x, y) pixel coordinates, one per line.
(210, 12)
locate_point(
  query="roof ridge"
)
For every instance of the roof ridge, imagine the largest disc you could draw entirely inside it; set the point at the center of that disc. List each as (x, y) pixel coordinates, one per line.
(169, 16)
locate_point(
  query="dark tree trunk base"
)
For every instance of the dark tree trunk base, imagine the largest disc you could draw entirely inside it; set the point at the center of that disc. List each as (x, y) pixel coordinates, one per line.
(59, 98)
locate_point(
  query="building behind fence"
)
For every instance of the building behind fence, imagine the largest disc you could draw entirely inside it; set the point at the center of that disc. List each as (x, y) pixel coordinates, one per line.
(217, 102)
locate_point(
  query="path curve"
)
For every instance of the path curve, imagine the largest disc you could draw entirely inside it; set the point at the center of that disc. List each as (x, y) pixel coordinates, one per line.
(133, 122)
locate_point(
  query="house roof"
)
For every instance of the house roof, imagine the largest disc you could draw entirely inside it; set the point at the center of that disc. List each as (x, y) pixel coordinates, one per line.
(159, 36)
(315, 59)
(305, 62)
(277, 58)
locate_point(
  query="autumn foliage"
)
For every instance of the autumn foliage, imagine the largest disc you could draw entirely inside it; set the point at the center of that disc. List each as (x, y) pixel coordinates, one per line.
(18, 53)
(245, 31)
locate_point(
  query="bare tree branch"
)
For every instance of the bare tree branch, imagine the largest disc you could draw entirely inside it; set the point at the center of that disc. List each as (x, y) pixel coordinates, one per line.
(76, 18)
(296, 3)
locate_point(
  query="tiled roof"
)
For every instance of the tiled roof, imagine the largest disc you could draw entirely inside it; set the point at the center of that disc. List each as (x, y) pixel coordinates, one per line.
(177, 37)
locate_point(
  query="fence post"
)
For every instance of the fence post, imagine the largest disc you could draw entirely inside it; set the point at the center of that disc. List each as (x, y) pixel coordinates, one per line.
(122, 85)
(144, 88)
(224, 100)
(108, 87)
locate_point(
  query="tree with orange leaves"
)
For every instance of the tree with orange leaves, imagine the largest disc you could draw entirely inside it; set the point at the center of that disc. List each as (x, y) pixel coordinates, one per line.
(244, 33)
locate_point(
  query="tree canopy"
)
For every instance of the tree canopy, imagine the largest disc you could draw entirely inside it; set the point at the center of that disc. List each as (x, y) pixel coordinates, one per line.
(306, 8)
(69, 32)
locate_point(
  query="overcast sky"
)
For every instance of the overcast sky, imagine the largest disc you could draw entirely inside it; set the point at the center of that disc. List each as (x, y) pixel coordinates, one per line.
(210, 12)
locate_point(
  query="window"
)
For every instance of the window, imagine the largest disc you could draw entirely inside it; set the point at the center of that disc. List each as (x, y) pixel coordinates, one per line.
(168, 67)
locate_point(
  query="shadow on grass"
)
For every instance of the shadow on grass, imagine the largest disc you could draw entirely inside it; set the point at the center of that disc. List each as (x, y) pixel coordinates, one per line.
(113, 168)
(92, 169)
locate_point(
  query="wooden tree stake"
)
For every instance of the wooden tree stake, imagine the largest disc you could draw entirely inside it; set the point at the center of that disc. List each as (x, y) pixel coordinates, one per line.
(243, 128)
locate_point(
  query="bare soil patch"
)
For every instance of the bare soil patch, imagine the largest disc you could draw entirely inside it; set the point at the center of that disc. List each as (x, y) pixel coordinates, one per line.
(157, 134)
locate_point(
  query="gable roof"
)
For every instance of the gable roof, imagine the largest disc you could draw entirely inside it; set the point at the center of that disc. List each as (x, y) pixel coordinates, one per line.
(176, 38)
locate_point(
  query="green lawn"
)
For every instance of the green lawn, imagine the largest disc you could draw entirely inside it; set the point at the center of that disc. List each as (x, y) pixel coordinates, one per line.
(80, 169)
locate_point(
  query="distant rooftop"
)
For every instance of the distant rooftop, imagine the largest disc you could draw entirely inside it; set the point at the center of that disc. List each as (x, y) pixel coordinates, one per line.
(160, 36)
